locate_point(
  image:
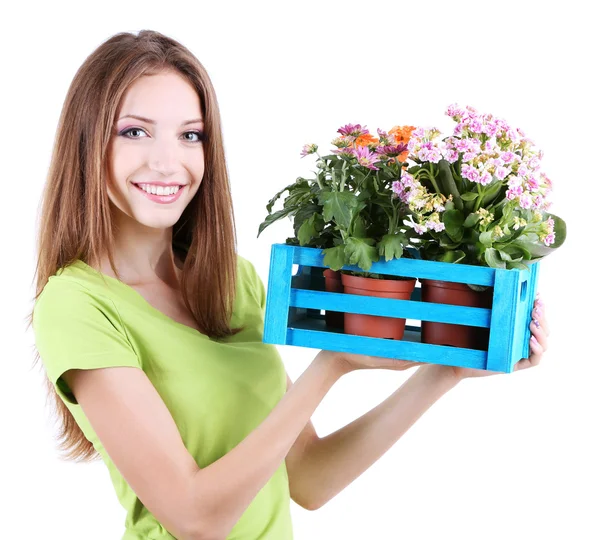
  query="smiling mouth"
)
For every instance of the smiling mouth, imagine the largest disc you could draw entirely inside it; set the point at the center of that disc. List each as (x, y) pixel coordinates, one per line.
(156, 186)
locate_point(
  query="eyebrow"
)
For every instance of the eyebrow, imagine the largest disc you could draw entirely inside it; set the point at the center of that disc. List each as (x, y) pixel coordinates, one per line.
(149, 121)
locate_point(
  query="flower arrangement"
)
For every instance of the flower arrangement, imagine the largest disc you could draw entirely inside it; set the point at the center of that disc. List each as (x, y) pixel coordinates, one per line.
(478, 196)
(348, 209)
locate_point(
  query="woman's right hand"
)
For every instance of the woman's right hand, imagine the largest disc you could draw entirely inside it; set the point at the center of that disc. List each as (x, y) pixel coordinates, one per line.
(347, 362)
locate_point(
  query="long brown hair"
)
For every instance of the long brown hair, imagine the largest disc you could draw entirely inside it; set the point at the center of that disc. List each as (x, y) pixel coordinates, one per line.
(75, 221)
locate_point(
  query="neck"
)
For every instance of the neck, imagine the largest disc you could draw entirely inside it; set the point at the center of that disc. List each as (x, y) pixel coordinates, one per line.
(144, 255)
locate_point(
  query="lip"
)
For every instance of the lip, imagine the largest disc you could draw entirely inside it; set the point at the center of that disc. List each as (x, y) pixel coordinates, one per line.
(161, 199)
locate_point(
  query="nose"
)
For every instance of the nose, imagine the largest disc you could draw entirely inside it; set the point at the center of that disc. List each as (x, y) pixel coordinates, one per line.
(163, 157)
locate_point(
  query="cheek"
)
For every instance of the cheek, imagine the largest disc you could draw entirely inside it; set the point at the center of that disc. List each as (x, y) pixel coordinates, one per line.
(122, 165)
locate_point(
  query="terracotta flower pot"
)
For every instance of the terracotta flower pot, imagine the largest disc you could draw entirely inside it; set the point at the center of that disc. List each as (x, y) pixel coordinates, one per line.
(371, 325)
(458, 294)
(333, 283)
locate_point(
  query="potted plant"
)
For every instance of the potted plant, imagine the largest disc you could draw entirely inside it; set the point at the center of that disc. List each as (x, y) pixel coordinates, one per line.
(476, 197)
(356, 218)
(303, 206)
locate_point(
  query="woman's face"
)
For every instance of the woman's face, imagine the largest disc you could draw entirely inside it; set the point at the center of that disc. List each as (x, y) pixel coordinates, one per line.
(156, 147)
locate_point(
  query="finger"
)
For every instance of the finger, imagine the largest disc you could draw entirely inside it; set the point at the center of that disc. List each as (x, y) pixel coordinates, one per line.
(539, 313)
(539, 333)
(535, 351)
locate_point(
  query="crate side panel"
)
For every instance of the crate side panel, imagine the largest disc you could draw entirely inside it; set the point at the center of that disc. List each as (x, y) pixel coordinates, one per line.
(502, 328)
(524, 314)
(460, 273)
(278, 294)
(388, 348)
(391, 307)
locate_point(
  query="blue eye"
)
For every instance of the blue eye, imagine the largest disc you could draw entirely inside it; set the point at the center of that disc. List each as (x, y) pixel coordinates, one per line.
(124, 132)
(199, 134)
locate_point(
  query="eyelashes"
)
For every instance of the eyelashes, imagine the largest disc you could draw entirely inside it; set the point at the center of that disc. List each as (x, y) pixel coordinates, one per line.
(199, 134)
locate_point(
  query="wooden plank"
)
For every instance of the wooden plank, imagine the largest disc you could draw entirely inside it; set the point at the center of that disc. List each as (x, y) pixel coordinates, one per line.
(523, 314)
(278, 294)
(502, 328)
(390, 307)
(460, 273)
(388, 348)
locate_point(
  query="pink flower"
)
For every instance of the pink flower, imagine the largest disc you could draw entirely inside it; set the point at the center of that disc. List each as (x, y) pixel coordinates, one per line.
(512, 193)
(353, 130)
(532, 184)
(347, 151)
(508, 157)
(365, 157)
(470, 172)
(485, 178)
(451, 156)
(308, 149)
(550, 239)
(454, 110)
(501, 173)
(525, 200)
(392, 150)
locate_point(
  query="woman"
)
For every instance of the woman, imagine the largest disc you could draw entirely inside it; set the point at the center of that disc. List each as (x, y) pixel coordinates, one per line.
(149, 325)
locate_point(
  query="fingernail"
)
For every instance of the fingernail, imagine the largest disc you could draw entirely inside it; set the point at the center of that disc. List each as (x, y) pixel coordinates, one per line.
(534, 339)
(536, 322)
(537, 311)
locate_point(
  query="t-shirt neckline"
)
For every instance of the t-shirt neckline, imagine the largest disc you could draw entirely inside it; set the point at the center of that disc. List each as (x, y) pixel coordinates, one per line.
(134, 294)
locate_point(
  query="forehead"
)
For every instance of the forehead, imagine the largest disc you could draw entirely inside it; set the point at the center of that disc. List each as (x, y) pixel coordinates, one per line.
(165, 96)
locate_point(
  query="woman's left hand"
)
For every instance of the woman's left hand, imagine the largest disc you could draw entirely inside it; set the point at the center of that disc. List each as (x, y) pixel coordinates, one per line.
(538, 344)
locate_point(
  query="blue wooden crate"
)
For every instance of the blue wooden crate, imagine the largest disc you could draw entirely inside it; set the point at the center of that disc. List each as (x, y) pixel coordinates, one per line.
(294, 304)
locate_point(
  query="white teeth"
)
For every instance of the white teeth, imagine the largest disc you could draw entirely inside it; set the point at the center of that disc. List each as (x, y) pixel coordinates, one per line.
(159, 190)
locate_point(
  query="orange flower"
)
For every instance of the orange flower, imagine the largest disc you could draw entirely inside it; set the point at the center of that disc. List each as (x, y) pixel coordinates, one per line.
(365, 140)
(401, 133)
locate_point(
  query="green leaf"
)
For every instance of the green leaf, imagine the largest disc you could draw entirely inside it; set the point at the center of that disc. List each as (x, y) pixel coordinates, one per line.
(537, 250)
(360, 251)
(310, 229)
(453, 222)
(471, 220)
(391, 246)
(452, 256)
(490, 193)
(303, 213)
(334, 257)
(493, 260)
(358, 225)
(276, 196)
(271, 218)
(486, 238)
(517, 265)
(337, 207)
(447, 183)
(299, 193)
(469, 196)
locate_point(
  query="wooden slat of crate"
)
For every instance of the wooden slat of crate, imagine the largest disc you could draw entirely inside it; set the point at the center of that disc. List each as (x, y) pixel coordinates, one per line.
(513, 297)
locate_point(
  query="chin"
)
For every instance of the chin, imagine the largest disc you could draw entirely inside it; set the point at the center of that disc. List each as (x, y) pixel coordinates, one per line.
(158, 222)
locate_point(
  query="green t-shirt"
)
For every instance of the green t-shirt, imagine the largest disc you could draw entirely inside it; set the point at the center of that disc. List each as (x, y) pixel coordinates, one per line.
(217, 392)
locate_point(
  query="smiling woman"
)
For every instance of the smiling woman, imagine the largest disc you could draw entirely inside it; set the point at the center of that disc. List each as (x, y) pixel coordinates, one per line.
(150, 326)
(148, 323)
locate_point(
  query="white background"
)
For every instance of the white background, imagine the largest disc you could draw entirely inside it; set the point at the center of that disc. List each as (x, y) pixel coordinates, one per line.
(511, 456)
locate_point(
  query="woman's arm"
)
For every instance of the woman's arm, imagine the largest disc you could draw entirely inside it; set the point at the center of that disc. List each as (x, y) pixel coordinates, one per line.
(322, 467)
(331, 463)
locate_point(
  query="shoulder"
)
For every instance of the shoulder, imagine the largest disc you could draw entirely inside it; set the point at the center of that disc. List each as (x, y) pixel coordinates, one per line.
(250, 280)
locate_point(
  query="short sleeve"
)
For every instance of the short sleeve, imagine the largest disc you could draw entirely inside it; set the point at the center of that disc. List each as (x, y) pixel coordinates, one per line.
(256, 284)
(77, 329)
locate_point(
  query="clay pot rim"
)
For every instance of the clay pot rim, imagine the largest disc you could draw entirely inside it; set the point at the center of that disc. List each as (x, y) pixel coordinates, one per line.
(371, 284)
(450, 285)
(332, 274)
